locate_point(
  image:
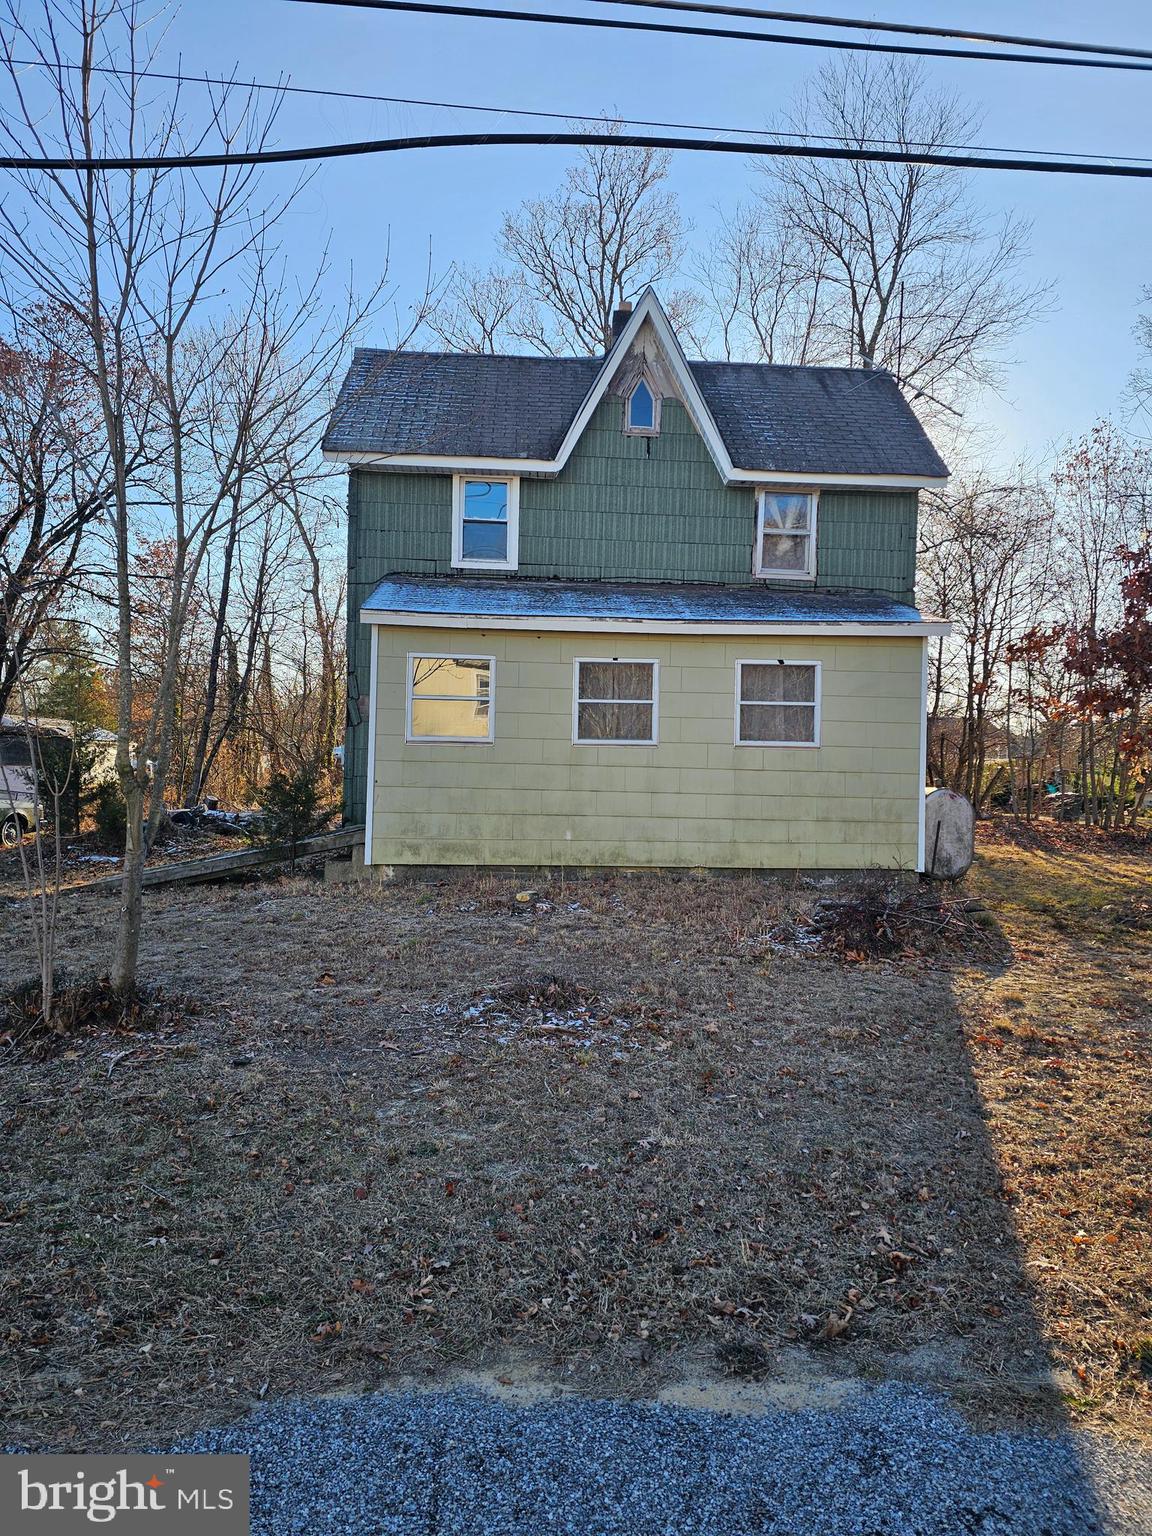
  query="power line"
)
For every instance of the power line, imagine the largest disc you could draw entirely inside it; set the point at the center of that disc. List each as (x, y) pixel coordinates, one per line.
(614, 23)
(916, 29)
(563, 117)
(607, 140)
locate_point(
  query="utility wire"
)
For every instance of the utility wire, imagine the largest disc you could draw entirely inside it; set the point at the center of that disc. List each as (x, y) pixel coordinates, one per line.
(917, 29)
(548, 18)
(607, 140)
(562, 117)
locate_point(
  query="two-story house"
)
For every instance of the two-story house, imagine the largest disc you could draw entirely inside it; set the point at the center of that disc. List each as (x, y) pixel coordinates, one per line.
(633, 610)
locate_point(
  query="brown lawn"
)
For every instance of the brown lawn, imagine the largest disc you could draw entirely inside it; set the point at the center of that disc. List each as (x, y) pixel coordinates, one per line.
(625, 1129)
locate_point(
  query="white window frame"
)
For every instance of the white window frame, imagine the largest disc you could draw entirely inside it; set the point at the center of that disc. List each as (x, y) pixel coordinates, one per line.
(654, 429)
(614, 741)
(815, 706)
(434, 741)
(809, 571)
(513, 525)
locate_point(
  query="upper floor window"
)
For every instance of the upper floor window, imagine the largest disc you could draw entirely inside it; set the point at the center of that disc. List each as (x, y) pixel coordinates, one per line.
(642, 410)
(485, 523)
(785, 535)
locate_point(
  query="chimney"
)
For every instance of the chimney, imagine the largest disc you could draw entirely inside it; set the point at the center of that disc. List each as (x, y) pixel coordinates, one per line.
(620, 318)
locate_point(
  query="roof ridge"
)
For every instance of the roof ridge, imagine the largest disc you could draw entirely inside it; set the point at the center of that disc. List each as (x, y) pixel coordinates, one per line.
(511, 357)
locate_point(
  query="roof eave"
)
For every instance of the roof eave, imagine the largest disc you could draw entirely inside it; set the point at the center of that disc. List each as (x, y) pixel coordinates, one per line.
(841, 629)
(550, 468)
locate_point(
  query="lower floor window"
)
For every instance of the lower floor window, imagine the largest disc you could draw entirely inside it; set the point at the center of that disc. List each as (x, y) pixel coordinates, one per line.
(615, 701)
(777, 703)
(450, 698)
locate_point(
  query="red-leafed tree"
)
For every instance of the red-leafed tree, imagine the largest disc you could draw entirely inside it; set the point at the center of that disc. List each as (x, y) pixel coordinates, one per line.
(1108, 697)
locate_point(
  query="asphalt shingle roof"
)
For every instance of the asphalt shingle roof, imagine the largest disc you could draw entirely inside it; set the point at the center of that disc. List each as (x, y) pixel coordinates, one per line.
(848, 421)
(666, 601)
(771, 417)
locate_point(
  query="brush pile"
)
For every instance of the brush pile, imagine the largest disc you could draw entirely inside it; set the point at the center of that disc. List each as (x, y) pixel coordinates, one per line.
(882, 921)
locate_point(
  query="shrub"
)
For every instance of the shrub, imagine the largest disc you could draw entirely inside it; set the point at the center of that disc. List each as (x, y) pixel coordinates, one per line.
(293, 809)
(109, 815)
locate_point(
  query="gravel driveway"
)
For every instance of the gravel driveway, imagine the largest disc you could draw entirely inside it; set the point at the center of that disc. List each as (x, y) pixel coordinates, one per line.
(893, 1461)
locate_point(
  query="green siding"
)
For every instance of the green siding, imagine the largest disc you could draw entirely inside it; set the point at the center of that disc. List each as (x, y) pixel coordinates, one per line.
(624, 509)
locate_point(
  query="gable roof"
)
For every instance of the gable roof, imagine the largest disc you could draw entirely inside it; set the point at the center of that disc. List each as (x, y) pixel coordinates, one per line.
(528, 412)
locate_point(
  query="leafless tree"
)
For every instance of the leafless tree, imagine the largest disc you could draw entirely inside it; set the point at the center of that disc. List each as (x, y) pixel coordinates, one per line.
(42, 867)
(480, 310)
(574, 256)
(883, 265)
(54, 482)
(763, 293)
(986, 564)
(139, 263)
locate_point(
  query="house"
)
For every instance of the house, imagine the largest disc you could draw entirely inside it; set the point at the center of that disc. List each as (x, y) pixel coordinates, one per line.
(74, 760)
(632, 610)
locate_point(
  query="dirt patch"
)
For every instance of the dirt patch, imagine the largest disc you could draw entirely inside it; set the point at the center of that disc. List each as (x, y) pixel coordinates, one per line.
(609, 1129)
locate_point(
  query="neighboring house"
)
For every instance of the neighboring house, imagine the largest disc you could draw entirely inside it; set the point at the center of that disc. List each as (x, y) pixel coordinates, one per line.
(52, 742)
(633, 610)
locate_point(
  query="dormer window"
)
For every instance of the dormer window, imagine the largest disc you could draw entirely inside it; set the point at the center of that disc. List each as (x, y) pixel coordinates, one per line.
(642, 410)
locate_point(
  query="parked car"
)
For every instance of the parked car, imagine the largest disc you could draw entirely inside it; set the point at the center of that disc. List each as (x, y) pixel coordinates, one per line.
(19, 802)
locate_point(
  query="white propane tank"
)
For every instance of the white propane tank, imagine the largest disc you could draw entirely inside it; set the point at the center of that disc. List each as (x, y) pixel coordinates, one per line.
(949, 834)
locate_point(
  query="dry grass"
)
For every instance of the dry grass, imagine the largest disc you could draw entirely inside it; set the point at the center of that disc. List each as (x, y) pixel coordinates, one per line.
(1061, 1046)
(618, 1127)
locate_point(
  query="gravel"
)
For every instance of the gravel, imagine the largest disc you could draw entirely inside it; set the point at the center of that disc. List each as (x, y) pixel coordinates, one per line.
(894, 1461)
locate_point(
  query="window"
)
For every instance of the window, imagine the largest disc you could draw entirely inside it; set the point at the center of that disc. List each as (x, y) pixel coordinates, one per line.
(449, 698)
(14, 753)
(642, 411)
(485, 523)
(785, 534)
(615, 701)
(777, 703)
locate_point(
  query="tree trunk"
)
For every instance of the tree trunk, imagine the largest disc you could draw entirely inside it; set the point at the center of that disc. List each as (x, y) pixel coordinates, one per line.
(131, 891)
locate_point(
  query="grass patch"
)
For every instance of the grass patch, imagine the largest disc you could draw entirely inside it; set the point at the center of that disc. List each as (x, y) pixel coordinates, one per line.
(611, 1127)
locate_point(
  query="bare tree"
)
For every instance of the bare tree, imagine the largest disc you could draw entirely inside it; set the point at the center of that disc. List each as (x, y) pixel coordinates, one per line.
(574, 256)
(54, 482)
(985, 564)
(138, 261)
(898, 268)
(42, 869)
(480, 310)
(763, 291)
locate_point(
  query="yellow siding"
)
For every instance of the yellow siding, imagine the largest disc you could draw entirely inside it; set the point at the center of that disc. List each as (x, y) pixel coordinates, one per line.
(531, 797)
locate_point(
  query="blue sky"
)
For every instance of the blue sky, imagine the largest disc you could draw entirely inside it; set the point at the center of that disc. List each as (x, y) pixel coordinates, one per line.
(1091, 238)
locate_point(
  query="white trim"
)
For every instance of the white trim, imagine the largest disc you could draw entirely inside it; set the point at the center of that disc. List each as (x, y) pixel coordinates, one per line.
(649, 308)
(433, 741)
(814, 705)
(615, 741)
(393, 618)
(921, 830)
(373, 652)
(782, 478)
(548, 469)
(512, 524)
(772, 572)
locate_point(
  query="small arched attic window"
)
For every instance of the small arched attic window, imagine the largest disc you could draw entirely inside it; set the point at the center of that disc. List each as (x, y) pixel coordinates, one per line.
(642, 409)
